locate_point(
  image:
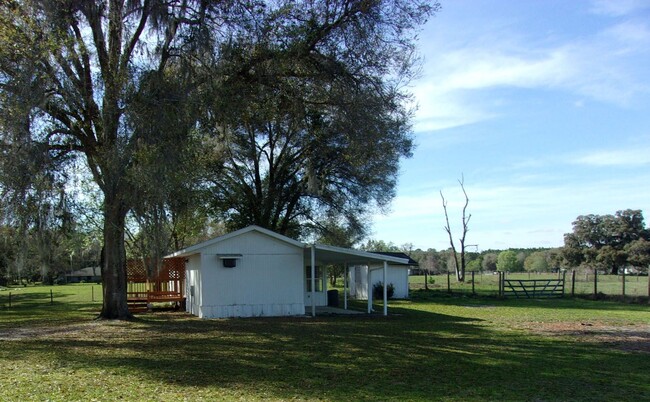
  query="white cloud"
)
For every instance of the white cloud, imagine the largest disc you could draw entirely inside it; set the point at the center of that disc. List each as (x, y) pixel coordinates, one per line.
(618, 8)
(480, 69)
(603, 66)
(632, 32)
(615, 157)
(439, 109)
(630, 156)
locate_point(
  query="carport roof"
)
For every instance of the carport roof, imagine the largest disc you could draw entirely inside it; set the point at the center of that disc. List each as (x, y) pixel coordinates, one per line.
(337, 255)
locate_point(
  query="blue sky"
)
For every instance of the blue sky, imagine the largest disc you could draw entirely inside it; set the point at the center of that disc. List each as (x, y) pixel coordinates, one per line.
(543, 106)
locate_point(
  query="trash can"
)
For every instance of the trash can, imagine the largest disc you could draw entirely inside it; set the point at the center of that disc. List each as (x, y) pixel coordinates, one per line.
(333, 298)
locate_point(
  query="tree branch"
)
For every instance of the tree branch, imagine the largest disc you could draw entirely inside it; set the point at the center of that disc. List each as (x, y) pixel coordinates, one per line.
(128, 51)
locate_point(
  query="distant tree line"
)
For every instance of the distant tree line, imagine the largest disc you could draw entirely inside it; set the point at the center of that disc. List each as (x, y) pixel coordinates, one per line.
(604, 242)
(512, 260)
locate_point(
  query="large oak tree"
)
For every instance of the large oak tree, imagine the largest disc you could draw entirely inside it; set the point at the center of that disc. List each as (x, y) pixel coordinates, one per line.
(70, 72)
(304, 99)
(604, 240)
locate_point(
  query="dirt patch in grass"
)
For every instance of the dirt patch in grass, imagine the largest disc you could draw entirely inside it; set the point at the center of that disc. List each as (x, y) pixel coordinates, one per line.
(17, 334)
(632, 337)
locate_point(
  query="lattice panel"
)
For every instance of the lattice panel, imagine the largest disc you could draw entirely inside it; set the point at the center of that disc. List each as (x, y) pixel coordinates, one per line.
(173, 269)
(136, 271)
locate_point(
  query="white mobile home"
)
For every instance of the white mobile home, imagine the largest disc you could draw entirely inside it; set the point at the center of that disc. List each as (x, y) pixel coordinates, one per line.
(256, 272)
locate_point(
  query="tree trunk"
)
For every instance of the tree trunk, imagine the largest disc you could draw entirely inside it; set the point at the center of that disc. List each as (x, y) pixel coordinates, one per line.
(460, 270)
(114, 261)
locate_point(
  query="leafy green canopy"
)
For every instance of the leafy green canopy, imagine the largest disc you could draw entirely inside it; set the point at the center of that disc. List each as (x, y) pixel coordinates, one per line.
(310, 107)
(607, 241)
(507, 261)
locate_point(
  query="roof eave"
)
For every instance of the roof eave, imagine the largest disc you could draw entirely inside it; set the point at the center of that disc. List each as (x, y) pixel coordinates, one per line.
(186, 252)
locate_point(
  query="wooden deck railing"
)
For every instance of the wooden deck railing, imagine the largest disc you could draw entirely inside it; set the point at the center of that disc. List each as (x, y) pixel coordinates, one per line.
(140, 301)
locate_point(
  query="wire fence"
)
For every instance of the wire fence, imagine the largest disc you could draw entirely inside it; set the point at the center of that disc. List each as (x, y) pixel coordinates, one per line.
(34, 296)
(575, 283)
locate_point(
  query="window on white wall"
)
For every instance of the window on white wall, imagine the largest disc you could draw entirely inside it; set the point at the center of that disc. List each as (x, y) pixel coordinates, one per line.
(318, 281)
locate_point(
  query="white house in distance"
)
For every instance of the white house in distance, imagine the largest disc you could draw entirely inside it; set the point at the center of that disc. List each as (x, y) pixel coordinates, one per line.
(397, 275)
(88, 274)
(256, 272)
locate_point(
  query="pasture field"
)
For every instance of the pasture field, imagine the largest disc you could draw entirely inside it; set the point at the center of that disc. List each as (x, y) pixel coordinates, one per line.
(432, 347)
(487, 284)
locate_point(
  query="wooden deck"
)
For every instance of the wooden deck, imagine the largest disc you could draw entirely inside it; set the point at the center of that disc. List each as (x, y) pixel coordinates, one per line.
(149, 282)
(139, 302)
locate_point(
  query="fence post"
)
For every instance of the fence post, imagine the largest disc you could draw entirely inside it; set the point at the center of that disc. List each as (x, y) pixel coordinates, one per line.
(623, 279)
(448, 282)
(595, 282)
(573, 283)
(51, 297)
(503, 283)
(563, 282)
(500, 283)
(473, 292)
(9, 299)
(92, 293)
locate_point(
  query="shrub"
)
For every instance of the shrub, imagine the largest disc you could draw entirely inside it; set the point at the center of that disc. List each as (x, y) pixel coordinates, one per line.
(378, 290)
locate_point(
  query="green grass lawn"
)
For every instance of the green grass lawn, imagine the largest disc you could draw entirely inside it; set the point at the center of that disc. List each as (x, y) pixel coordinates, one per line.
(48, 305)
(433, 347)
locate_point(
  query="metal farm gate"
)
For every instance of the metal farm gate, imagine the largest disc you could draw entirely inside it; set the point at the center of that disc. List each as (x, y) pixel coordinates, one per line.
(532, 288)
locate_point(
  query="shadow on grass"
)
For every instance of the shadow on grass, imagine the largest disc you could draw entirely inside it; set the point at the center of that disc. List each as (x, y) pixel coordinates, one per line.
(38, 309)
(414, 355)
(583, 303)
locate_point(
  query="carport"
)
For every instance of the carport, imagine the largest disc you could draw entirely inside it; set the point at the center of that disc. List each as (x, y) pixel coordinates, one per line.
(322, 254)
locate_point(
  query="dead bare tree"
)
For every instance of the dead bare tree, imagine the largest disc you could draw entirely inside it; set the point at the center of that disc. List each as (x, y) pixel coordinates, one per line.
(459, 268)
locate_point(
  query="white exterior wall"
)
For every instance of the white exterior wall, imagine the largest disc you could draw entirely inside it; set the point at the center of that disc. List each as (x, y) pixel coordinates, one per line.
(267, 281)
(320, 298)
(398, 276)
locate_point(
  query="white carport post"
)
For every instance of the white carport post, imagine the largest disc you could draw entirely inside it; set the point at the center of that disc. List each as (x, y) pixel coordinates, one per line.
(345, 287)
(385, 289)
(313, 280)
(369, 290)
